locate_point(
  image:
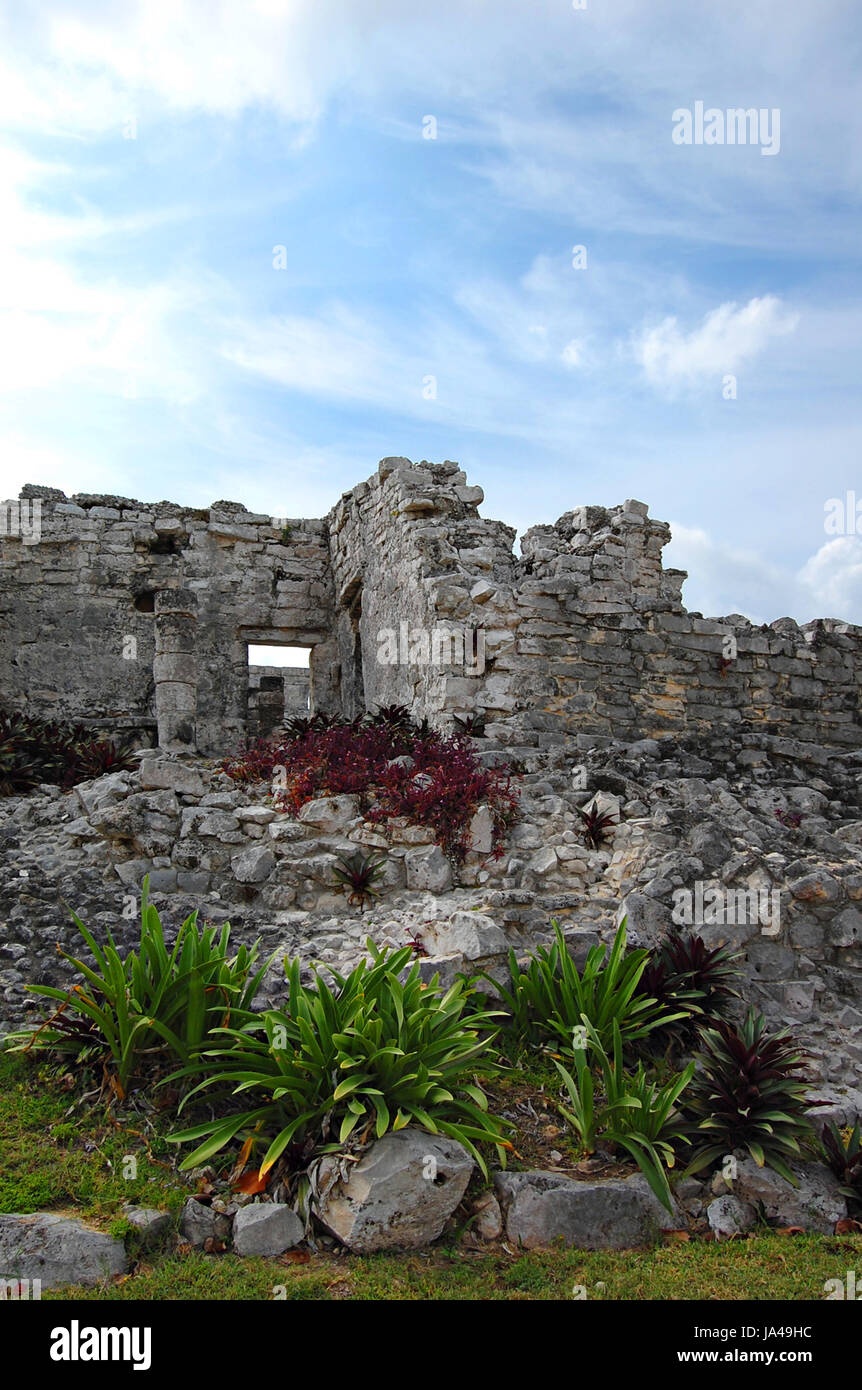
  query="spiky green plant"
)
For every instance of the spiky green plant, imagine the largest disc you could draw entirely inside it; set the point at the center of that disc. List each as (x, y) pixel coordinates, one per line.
(151, 1008)
(369, 1053)
(635, 1112)
(551, 998)
(843, 1153)
(360, 873)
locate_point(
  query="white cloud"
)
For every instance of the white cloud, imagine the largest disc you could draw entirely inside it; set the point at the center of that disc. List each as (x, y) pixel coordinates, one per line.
(835, 575)
(337, 355)
(727, 337)
(58, 324)
(725, 580)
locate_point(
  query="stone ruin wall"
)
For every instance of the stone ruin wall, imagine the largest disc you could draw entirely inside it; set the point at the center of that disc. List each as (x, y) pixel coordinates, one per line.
(126, 613)
(209, 581)
(590, 660)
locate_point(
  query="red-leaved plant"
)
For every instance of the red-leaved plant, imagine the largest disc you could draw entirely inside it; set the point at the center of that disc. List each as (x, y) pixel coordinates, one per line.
(438, 782)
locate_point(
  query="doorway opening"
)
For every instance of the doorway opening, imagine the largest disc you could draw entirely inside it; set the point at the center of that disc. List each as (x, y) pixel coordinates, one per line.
(279, 685)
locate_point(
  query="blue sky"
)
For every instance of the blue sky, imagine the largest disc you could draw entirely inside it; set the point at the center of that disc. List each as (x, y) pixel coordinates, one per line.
(149, 346)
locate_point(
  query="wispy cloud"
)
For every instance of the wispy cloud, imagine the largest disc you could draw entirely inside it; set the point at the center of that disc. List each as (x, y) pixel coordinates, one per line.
(727, 337)
(148, 346)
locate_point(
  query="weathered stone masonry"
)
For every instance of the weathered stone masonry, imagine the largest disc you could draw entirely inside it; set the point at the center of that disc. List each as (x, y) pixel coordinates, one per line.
(139, 616)
(733, 767)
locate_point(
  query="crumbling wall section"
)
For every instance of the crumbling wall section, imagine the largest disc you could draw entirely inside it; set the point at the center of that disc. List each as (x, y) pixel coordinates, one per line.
(408, 548)
(78, 608)
(615, 652)
(406, 595)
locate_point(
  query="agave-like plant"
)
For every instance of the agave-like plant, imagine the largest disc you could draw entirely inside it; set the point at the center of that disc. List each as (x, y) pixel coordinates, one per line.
(550, 999)
(34, 750)
(394, 717)
(96, 757)
(597, 826)
(749, 1093)
(151, 1008)
(360, 872)
(473, 725)
(372, 1052)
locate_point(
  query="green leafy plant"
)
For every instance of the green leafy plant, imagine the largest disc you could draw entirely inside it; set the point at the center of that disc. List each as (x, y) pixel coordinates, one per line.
(749, 1093)
(636, 1112)
(551, 998)
(588, 1118)
(372, 1052)
(844, 1156)
(360, 872)
(151, 1008)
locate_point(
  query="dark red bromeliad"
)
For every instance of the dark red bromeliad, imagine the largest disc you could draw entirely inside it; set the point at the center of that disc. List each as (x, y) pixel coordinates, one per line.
(429, 778)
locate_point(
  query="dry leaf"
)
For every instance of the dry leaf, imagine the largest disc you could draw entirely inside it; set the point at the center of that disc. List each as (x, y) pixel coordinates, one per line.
(242, 1160)
(250, 1183)
(846, 1226)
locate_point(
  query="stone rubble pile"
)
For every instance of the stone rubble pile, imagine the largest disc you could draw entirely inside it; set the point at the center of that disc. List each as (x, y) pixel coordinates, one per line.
(777, 822)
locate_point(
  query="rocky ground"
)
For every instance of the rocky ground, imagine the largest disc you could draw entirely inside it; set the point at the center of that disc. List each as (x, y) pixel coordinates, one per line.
(762, 814)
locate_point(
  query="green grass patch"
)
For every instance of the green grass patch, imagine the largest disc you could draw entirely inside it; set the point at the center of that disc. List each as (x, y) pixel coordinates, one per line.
(57, 1155)
(766, 1267)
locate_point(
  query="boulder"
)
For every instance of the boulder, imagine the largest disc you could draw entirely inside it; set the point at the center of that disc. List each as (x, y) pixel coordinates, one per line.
(428, 870)
(330, 813)
(481, 831)
(253, 865)
(57, 1250)
(200, 1223)
(488, 1222)
(166, 774)
(816, 1204)
(150, 1224)
(447, 967)
(469, 934)
(728, 1216)
(846, 929)
(592, 1214)
(266, 1228)
(544, 861)
(400, 1194)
